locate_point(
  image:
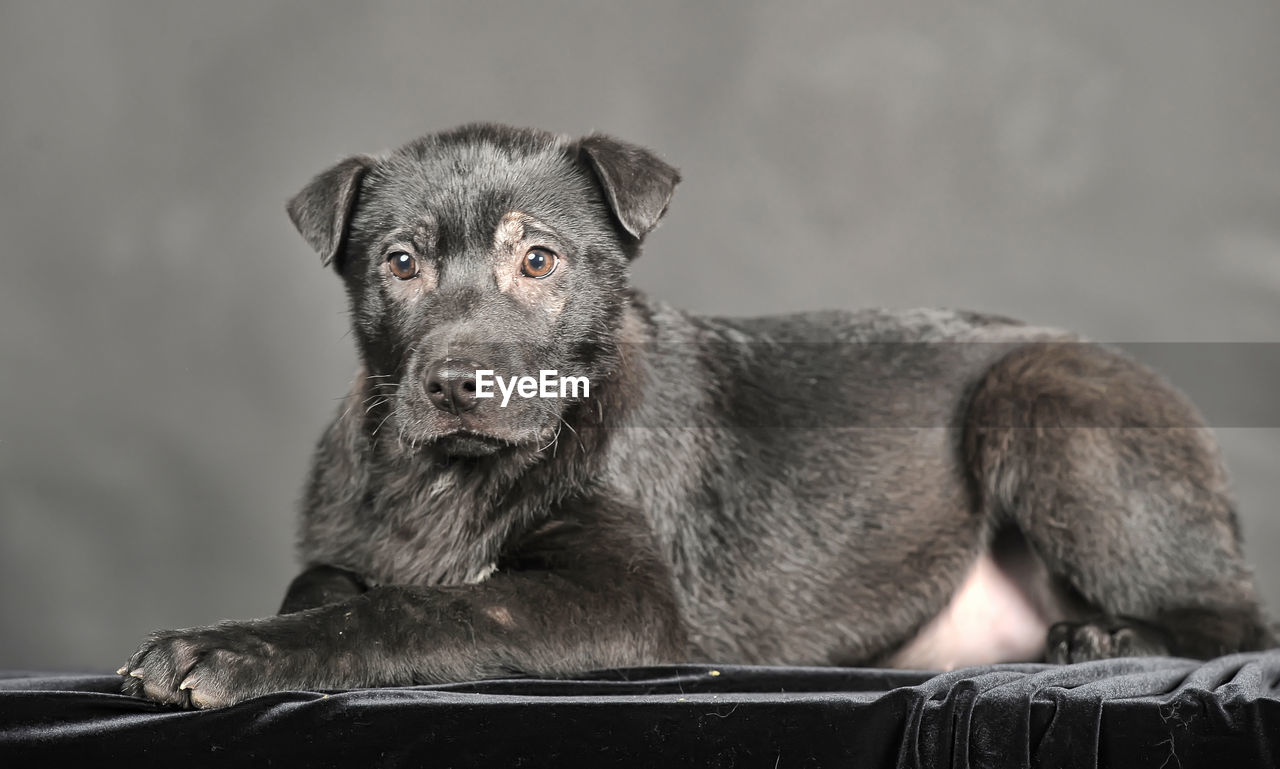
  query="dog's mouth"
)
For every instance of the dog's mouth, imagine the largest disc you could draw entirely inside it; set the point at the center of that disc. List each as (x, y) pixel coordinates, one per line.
(466, 443)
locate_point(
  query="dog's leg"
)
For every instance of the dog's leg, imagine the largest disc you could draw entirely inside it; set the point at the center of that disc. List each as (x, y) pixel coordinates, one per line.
(1117, 484)
(320, 585)
(584, 591)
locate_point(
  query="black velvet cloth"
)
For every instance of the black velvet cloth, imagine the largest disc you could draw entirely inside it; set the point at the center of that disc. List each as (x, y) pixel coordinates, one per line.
(1155, 712)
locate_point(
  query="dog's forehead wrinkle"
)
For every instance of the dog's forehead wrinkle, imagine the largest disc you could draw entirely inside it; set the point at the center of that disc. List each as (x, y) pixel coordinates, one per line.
(510, 229)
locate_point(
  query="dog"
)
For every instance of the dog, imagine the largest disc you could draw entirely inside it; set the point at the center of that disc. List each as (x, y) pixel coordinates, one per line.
(926, 489)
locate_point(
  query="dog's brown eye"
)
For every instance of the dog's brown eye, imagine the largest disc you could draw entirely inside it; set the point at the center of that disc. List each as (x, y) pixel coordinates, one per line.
(538, 263)
(403, 265)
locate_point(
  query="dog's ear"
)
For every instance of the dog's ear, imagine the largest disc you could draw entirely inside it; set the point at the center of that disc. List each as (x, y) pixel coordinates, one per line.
(636, 182)
(322, 209)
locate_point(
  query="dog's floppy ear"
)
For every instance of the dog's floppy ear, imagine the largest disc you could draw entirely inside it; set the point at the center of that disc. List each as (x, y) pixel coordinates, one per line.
(636, 182)
(322, 209)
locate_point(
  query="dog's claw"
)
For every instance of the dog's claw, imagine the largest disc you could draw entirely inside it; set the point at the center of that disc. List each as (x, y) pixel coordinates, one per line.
(187, 684)
(137, 673)
(122, 670)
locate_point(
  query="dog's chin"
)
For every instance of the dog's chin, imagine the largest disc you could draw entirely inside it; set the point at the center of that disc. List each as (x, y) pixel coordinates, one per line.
(465, 443)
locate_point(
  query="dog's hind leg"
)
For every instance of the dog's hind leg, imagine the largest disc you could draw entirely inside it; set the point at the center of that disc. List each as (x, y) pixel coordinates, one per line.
(1117, 484)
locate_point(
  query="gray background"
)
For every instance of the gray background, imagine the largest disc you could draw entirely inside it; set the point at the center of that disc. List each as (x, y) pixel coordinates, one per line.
(170, 349)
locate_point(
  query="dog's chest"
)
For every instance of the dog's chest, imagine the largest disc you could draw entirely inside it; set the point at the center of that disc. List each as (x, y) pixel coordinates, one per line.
(412, 531)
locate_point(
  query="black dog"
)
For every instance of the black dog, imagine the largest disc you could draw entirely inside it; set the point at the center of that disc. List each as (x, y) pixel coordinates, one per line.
(919, 488)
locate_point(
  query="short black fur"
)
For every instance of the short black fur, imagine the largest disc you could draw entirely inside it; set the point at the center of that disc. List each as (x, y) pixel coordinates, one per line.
(805, 489)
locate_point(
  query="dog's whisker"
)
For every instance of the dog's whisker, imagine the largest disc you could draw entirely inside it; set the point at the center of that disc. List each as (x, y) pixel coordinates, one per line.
(380, 424)
(581, 445)
(347, 410)
(554, 439)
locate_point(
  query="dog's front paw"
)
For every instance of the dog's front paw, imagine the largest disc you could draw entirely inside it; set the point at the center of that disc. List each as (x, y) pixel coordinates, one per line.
(1102, 638)
(205, 667)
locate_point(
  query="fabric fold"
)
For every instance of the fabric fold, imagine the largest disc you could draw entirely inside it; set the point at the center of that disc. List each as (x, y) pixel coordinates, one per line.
(1112, 713)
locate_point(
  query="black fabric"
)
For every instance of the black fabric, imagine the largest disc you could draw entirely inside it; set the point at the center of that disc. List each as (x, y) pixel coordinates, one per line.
(1155, 712)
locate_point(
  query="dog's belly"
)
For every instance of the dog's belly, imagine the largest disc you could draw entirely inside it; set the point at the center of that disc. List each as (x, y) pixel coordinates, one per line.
(1000, 613)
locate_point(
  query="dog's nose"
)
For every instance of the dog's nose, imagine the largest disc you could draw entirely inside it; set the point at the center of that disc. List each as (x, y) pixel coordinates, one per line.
(451, 384)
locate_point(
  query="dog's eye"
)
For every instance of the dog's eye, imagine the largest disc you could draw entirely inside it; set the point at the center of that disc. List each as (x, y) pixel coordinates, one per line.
(538, 263)
(402, 265)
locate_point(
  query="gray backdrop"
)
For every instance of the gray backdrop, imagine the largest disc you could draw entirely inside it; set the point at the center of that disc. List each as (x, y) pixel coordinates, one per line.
(170, 349)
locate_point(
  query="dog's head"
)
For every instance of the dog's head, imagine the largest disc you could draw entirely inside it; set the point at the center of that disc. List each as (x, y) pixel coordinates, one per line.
(485, 248)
